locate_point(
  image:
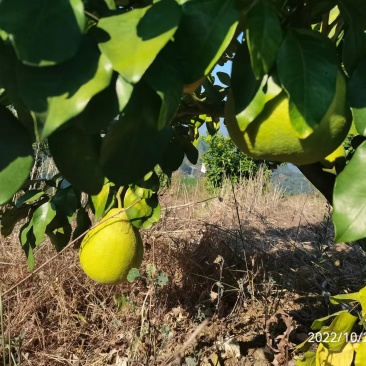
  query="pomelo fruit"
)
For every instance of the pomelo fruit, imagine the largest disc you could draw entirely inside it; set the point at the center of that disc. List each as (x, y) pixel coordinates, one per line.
(270, 136)
(111, 249)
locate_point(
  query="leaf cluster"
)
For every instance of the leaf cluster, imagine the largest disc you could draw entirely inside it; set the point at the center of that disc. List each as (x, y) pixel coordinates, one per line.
(120, 88)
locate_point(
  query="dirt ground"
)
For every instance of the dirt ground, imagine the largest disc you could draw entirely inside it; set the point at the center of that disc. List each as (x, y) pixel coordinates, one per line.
(235, 279)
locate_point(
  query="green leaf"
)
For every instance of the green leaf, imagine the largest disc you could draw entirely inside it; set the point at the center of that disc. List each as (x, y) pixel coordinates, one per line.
(100, 201)
(29, 197)
(67, 201)
(111, 4)
(43, 34)
(354, 47)
(76, 155)
(307, 68)
(123, 30)
(40, 220)
(264, 36)
(340, 357)
(172, 157)
(16, 155)
(162, 17)
(27, 239)
(224, 78)
(104, 107)
(356, 93)
(165, 78)
(308, 359)
(58, 93)
(59, 232)
(342, 325)
(362, 294)
(345, 298)
(144, 212)
(213, 125)
(246, 89)
(322, 322)
(349, 206)
(353, 11)
(83, 223)
(134, 145)
(188, 147)
(162, 279)
(11, 217)
(205, 31)
(146, 187)
(8, 78)
(133, 275)
(151, 271)
(360, 358)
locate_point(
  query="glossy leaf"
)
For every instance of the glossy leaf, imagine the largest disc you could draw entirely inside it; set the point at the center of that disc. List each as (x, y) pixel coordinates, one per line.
(307, 68)
(349, 206)
(353, 11)
(83, 223)
(29, 197)
(104, 107)
(142, 49)
(356, 93)
(58, 93)
(324, 321)
(247, 91)
(76, 155)
(205, 31)
(213, 125)
(327, 357)
(66, 201)
(99, 201)
(38, 32)
(172, 157)
(144, 212)
(134, 145)
(345, 298)
(360, 357)
(160, 18)
(16, 155)
(189, 149)
(8, 79)
(224, 78)
(146, 187)
(354, 47)
(27, 239)
(165, 78)
(40, 220)
(59, 232)
(264, 37)
(342, 325)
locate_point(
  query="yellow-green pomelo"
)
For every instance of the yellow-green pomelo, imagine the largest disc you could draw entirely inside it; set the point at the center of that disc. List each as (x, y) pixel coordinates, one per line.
(271, 136)
(111, 249)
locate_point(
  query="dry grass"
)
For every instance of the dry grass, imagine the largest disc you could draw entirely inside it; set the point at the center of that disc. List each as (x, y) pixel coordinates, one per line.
(236, 260)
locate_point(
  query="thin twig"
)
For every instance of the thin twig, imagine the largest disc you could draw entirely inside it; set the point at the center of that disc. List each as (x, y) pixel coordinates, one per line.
(91, 16)
(188, 204)
(179, 354)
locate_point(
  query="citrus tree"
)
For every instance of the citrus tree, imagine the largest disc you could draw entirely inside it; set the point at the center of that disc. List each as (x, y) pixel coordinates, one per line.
(223, 160)
(120, 88)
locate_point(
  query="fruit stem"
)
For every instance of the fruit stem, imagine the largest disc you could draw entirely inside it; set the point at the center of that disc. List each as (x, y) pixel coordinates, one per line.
(118, 196)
